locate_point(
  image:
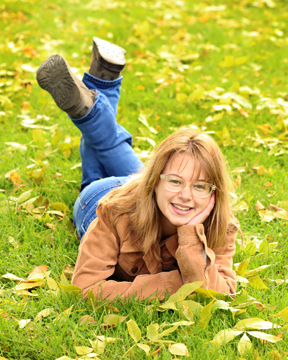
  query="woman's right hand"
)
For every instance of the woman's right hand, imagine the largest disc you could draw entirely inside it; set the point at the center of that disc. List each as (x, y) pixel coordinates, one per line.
(200, 218)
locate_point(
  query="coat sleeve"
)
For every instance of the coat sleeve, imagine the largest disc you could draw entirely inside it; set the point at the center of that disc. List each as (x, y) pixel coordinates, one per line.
(193, 265)
(97, 258)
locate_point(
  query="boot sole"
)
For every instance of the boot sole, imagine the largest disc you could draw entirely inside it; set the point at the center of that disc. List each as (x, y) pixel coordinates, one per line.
(106, 57)
(56, 77)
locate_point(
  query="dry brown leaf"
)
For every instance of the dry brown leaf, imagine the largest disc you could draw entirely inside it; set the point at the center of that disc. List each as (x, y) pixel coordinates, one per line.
(274, 207)
(6, 317)
(260, 306)
(15, 178)
(51, 226)
(112, 308)
(237, 182)
(68, 271)
(37, 270)
(87, 319)
(244, 113)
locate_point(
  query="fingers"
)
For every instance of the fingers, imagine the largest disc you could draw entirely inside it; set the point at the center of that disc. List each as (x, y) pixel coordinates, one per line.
(206, 212)
(200, 218)
(211, 203)
(212, 199)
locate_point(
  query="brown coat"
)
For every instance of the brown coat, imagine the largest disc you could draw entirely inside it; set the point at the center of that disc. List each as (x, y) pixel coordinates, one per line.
(104, 253)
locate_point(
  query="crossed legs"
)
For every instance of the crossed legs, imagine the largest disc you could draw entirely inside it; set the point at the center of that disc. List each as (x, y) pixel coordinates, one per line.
(106, 147)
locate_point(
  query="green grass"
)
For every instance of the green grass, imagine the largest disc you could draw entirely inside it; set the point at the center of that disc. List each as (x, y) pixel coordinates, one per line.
(30, 31)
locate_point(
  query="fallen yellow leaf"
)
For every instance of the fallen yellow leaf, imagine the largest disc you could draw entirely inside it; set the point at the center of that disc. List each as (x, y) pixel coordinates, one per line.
(259, 206)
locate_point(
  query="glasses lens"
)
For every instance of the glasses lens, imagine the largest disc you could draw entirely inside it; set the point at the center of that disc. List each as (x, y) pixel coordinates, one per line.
(173, 183)
(200, 189)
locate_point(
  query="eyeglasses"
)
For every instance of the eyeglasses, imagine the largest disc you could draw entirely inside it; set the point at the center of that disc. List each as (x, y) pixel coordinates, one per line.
(175, 184)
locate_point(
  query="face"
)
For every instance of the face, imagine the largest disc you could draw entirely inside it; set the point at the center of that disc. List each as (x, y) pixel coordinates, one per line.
(179, 208)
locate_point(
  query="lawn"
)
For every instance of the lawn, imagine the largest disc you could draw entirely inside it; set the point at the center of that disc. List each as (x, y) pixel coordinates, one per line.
(219, 66)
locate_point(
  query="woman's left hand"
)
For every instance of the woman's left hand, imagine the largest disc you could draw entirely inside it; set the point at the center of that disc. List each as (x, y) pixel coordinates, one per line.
(200, 218)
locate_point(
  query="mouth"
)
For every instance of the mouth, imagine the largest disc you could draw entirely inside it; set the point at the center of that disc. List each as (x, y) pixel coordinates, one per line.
(181, 209)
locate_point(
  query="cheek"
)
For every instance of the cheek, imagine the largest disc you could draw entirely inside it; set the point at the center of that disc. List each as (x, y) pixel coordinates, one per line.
(159, 195)
(162, 195)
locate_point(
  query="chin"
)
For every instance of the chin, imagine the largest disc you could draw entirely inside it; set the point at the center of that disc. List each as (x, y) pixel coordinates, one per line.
(179, 222)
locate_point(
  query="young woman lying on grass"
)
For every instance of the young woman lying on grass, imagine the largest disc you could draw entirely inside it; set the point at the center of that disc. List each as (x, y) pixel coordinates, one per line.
(168, 226)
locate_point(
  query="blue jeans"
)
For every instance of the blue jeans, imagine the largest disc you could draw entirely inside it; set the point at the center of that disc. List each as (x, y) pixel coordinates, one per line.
(106, 151)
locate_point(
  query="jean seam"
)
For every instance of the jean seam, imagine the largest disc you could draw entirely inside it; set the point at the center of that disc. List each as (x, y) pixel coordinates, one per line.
(110, 186)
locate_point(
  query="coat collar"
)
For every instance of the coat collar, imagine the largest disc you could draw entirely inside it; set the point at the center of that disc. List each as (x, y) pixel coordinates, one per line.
(153, 265)
(171, 244)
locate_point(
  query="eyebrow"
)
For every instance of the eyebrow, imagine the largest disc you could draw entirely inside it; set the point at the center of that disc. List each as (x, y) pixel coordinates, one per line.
(203, 180)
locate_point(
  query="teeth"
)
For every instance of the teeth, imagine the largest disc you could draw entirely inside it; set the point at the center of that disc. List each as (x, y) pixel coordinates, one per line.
(181, 208)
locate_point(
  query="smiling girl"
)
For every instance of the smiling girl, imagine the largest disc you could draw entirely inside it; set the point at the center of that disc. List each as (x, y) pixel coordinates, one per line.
(169, 225)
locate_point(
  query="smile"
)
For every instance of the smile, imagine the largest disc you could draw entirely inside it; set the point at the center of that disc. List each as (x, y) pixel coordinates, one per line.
(181, 208)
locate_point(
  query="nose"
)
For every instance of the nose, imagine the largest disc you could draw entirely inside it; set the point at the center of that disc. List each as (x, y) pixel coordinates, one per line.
(186, 193)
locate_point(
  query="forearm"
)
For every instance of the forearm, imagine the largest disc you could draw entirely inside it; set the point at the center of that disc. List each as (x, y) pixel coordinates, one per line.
(143, 287)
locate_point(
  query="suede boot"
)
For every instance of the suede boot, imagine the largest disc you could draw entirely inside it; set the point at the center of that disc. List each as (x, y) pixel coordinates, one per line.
(69, 93)
(108, 60)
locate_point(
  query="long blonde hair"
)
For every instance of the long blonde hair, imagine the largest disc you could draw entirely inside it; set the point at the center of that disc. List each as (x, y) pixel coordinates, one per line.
(137, 197)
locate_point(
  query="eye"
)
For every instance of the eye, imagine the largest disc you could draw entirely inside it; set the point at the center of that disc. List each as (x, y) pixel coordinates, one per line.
(175, 182)
(199, 186)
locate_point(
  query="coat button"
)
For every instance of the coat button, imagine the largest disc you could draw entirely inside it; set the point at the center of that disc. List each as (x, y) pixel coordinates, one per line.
(134, 270)
(200, 231)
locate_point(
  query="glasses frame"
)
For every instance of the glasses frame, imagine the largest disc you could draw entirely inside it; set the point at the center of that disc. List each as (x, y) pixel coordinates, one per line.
(212, 187)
